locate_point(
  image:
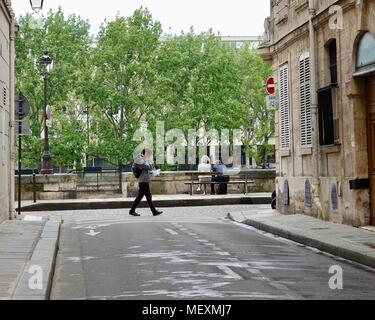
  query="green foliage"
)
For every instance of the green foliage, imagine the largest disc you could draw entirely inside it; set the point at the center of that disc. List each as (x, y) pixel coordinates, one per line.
(67, 40)
(128, 78)
(258, 122)
(68, 140)
(119, 84)
(198, 82)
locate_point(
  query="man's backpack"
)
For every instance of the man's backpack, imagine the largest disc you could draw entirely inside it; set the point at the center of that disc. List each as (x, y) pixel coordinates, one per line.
(137, 171)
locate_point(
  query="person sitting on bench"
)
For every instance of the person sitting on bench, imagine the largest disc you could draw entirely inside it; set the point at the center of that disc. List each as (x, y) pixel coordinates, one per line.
(204, 166)
(220, 167)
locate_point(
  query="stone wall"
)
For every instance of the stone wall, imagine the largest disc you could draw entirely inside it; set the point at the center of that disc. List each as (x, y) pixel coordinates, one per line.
(48, 187)
(174, 183)
(71, 186)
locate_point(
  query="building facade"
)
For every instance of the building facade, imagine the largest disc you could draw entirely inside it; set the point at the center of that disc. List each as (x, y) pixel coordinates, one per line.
(7, 33)
(322, 54)
(240, 41)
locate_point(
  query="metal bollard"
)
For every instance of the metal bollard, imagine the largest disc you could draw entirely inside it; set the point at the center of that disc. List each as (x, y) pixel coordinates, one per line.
(34, 187)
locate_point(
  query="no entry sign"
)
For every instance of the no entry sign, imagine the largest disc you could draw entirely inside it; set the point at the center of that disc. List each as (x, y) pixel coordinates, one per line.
(270, 85)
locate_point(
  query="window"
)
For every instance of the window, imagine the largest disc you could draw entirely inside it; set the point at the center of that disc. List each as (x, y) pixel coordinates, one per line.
(284, 106)
(366, 51)
(305, 100)
(326, 131)
(328, 100)
(335, 115)
(332, 48)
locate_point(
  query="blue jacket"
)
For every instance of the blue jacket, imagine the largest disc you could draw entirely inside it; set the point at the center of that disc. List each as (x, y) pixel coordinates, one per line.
(220, 168)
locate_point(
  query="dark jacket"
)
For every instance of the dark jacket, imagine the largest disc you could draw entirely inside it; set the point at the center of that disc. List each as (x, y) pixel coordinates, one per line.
(146, 167)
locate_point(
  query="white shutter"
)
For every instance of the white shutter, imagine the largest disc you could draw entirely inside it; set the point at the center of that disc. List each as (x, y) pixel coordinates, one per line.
(305, 100)
(284, 106)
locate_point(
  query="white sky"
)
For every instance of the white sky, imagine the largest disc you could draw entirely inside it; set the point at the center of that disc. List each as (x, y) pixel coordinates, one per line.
(230, 17)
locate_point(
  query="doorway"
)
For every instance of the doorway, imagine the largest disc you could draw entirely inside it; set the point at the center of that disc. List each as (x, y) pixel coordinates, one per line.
(371, 141)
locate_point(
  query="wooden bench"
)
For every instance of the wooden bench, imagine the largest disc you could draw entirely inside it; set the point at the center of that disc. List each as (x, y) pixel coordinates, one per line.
(193, 182)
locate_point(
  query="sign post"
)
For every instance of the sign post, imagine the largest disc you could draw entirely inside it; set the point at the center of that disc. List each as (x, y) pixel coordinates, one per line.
(271, 102)
(270, 86)
(271, 98)
(22, 110)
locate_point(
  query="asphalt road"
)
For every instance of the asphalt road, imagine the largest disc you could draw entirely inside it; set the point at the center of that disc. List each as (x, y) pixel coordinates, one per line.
(192, 253)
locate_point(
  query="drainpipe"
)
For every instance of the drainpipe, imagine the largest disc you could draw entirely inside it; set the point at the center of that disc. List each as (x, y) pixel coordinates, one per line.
(314, 107)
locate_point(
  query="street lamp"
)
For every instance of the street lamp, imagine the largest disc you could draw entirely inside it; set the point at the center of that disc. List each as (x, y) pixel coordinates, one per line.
(46, 64)
(36, 5)
(121, 89)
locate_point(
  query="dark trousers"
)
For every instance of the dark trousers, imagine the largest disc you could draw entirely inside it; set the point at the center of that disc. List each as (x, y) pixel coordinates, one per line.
(144, 190)
(223, 187)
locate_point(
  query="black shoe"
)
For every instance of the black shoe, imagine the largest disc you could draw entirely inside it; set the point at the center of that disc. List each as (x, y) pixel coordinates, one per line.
(157, 213)
(134, 214)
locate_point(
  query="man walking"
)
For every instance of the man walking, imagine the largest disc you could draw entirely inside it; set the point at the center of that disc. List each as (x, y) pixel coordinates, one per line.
(144, 163)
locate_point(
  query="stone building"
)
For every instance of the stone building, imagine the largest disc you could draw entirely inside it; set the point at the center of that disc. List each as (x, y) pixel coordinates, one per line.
(7, 38)
(322, 54)
(240, 41)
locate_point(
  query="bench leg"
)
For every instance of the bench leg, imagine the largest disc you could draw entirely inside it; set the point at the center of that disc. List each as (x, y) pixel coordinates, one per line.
(192, 185)
(246, 185)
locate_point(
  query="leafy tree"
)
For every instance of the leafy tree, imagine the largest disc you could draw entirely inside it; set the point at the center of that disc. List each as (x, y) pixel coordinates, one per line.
(67, 40)
(69, 143)
(205, 84)
(119, 85)
(199, 82)
(128, 78)
(258, 122)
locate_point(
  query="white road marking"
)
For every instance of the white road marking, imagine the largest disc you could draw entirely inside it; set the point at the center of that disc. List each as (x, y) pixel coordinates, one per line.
(106, 223)
(92, 233)
(33, 218)
(173, 233)
(228, 271)
(80, 259)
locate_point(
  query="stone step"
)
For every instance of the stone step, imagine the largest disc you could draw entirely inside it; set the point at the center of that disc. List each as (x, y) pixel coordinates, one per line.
(97, 188)
(98, 195)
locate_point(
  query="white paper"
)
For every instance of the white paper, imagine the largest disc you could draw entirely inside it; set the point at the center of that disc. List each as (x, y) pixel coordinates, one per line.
(155, 173)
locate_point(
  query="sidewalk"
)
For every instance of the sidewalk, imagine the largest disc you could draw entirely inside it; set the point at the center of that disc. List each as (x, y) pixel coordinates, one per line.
(162, 201)
(24, 244)
(347, 242)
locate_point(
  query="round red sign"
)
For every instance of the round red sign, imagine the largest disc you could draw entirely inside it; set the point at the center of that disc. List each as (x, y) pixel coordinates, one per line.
(270, 86)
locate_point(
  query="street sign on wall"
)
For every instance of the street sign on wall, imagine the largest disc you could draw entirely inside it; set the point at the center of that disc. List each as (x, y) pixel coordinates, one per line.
(271, 102)
(25, 128)
(270, 86)
(22, 107)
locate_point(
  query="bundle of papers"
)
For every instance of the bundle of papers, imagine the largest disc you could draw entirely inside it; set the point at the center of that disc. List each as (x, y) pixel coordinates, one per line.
(155, 173)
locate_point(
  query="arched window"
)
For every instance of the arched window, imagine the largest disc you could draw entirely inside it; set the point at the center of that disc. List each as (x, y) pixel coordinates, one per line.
(366, 53)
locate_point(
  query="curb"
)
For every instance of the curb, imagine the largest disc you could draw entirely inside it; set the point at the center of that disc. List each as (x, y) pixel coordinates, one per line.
(315, 243)
(42, 262)
(127, 204)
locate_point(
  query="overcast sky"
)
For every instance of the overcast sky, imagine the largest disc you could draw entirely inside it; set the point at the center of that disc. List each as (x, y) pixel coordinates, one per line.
(230, 17)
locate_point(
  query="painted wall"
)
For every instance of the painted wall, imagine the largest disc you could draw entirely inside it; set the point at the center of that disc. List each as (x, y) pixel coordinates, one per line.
(6, 107)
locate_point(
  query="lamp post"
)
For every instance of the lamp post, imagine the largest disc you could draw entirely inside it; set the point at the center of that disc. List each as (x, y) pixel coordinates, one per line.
(46, 62)
(121, 89)
(36, 5)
